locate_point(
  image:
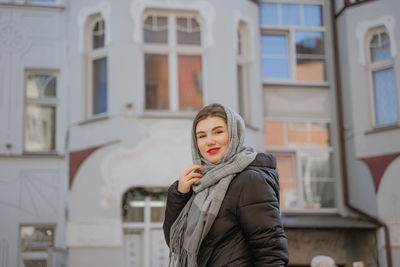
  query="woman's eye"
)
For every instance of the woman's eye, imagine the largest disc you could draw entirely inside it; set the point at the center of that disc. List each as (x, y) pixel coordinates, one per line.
(201, 136)
(219, 132)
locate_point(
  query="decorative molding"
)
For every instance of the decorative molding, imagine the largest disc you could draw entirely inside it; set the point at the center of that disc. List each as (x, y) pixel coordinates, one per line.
(35, 188)
(12, 38)
(205, 9)
(94, 233)
(154, 162)
(377, 166)
(105, 10)
(238, 16)
(362, 29)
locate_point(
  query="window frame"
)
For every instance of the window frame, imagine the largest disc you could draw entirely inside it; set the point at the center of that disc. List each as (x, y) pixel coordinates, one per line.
(38, 255)
(376, 66)
(290, 32)
(93, 54)
(145, 227)
(172, 50)
(297, 151)
(243, 60)
(47, 102)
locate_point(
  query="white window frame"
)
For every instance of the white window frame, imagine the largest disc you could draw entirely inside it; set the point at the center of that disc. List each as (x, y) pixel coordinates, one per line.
(297, 152)
(173, 50)
(145, 227)
(243, 59)
(52, 102)
(375, 66)
(92, 55)
(289, 31)
(40, 255)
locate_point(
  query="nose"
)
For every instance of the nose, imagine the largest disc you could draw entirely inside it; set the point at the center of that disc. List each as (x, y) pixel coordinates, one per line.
(210, 140)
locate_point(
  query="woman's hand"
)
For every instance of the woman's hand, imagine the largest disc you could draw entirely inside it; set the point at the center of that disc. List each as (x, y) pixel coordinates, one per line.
(188, 177)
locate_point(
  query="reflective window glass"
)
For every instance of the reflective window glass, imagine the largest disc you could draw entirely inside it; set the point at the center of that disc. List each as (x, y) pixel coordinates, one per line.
(190, 82)
(98, 34)
(275, 61)
(99, 97)
(318, 190)
(40, 128)
(309, 42)
(155, 30)
(36, 238)
(41, 86)
(133, 206)
(291, 14)
(385, 96)
(287, 180)
(156, 78)
(269, 13)
(35, 263)
(312, 15)
(380, 47)
(188, 31)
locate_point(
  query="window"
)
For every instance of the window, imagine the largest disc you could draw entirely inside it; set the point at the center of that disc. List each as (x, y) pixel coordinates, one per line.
(243, 70)
(292, 42)
(34, 244)
(303, 158)
(97, 67)
(172, 61)
(143, 212)
(40, 111)
(382, 75)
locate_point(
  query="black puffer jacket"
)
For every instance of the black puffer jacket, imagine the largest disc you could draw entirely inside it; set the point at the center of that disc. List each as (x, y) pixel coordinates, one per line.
(247, 230)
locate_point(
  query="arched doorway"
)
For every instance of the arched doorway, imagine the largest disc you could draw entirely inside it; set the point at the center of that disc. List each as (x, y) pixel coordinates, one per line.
(143, 212)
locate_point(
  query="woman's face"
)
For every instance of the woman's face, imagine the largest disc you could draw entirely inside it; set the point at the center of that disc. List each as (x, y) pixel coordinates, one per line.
(212, 138)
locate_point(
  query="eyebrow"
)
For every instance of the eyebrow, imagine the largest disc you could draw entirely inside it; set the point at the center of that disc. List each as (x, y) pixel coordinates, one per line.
(216, 127)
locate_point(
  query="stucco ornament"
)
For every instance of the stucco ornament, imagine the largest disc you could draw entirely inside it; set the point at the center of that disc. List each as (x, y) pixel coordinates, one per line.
(155, 161)
(12, 38)
(362, 29)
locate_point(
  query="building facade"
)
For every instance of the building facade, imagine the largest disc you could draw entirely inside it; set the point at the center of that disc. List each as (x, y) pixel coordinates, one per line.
(97, 99)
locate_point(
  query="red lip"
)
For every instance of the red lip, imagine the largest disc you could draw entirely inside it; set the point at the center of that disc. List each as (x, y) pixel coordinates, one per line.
(213, 150)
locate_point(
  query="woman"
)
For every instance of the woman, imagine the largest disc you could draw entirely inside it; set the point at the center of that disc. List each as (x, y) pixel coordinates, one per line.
(224, 210)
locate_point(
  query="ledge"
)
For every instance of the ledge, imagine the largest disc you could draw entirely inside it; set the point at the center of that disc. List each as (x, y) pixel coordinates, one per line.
(319, 221)
(393, 126)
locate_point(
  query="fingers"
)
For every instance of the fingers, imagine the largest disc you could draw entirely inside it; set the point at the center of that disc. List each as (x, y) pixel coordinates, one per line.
(190, 169)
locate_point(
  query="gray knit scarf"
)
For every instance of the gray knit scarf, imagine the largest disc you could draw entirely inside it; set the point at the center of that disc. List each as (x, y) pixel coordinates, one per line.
(199, 213)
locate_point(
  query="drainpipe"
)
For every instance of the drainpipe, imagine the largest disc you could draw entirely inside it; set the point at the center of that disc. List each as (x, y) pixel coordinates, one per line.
(342, 142)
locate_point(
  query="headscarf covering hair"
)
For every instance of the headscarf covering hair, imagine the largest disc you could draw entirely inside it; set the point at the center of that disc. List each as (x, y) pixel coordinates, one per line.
(199, 213)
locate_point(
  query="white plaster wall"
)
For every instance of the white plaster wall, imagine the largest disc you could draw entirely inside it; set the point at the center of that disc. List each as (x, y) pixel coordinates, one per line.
(388, 199)
(32, 191)
(354, 76)
(32, 188)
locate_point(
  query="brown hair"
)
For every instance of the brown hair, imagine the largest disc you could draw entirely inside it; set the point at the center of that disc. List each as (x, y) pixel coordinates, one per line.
(212, 110)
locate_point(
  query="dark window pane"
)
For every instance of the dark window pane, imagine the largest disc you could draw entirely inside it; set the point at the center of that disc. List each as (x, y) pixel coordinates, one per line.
(188, 31)
(269, 13)
(312, 15)
(40, 128)
(290, 14)
(36, 238)
(319, 194)
(156, 76)
(385, 96)
(98, 34)
(133, 206)
(99, 97)
(155, 30)
(309, 42)
(157, 207)
(190, 82)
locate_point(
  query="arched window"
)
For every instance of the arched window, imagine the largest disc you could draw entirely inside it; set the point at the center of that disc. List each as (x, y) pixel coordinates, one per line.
(97, 80)
(382, 78)
(143, 212)
(172, 45)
